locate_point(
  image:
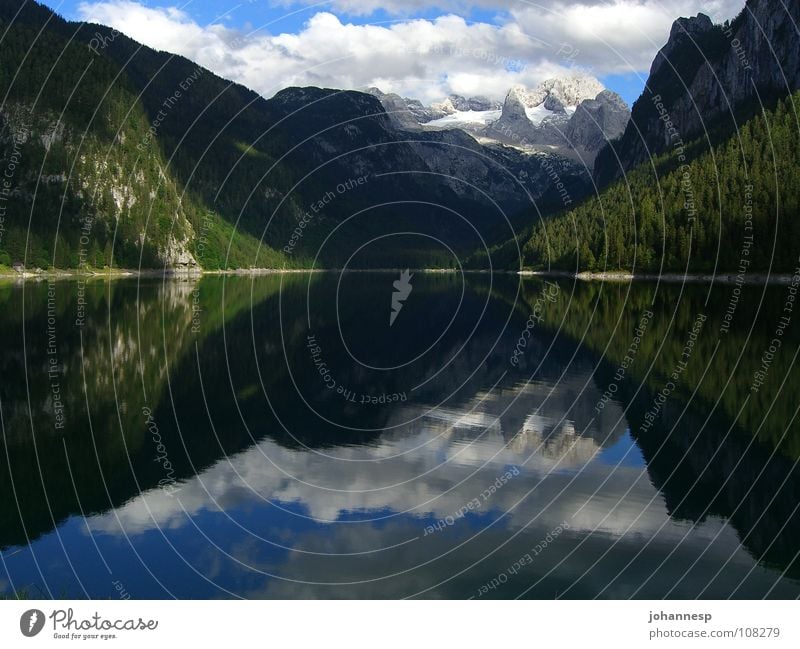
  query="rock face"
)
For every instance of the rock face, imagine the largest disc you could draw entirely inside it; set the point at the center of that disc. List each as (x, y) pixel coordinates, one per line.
(683, 32)
(596, 121)
(412, 114)
(406, 113)
(574, 117)
(514, 119)
(569, 91)
(351, 135)
(178, 256)
(96, 180)
(717, 76)
(458, 103)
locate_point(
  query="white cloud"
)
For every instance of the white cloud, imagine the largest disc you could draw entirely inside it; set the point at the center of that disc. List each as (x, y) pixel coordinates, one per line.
(617, 36)
(719, 9)
(427, 59)
(427, 466)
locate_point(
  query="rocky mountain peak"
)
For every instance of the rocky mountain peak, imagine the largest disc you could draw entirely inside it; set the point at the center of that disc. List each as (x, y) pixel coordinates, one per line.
(691, 26)
(598, 120)
(573, 115)
(455, 103)
(538, 119)
(717, 75)
(446, 107)
(569, 91)
(683, 32)
(517, 100)
(554, 105)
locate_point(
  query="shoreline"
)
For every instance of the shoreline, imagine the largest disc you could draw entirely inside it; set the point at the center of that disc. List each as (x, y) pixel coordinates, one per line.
(622, 277)
(124, 273)
(611, 276)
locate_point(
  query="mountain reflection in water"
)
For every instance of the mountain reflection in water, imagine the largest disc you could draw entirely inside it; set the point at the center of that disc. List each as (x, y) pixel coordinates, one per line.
(217, 460)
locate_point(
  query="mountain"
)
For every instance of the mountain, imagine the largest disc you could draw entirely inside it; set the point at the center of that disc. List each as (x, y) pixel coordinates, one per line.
(711, 160)
(708, 79)
(115, 153)
(469, 114)
(729, 209)
(454, 112)
(100, 140)
(127, 156)
(524, 112)
(595, 122)
(440, 184)
(573, 117)
(406, 113)
(455, 103)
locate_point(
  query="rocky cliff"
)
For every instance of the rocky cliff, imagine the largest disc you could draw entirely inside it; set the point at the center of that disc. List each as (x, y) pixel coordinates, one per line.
(574, 117)
(459, 187)
(545, 119)
(707, 79)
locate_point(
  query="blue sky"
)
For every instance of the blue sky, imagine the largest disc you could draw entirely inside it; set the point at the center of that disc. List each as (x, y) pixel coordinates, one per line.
(413, 47)
(278, 17)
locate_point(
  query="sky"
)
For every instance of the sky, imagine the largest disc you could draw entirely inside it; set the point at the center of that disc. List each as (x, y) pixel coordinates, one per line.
(420, 49)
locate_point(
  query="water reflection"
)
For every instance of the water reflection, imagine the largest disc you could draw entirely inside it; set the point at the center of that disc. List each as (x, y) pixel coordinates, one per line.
(205, 454)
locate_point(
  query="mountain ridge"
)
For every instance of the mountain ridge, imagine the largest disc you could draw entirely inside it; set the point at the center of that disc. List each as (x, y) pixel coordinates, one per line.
(708, 173)
(709, 78)
(239, 171)
(531, 120)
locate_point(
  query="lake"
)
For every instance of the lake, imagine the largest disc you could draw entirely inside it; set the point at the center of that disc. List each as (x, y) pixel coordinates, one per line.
(287, 436)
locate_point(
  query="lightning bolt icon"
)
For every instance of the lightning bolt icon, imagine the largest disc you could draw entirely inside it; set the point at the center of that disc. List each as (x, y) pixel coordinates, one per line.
(32, 621)
(402, 289)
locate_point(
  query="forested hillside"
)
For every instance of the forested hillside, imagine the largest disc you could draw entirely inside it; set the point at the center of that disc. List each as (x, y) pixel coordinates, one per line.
(121, 155)
(736, 201)
(83, 174)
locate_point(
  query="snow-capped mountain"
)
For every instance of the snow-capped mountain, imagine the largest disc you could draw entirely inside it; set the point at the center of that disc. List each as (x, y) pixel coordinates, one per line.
(454, 112)
(573, 116)
(555, 96)
(466, 113)
(457, 103)
(468, 120)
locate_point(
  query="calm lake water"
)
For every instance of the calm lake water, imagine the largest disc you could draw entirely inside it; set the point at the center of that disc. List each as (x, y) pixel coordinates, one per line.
(277, 437)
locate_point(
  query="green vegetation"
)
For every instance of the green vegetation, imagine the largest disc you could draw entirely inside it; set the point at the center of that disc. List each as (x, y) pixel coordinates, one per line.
(690, 216)
(105, 197)
(120, 156)
(133, 334)
(88, 176)
(219, 245)
(604, 317)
